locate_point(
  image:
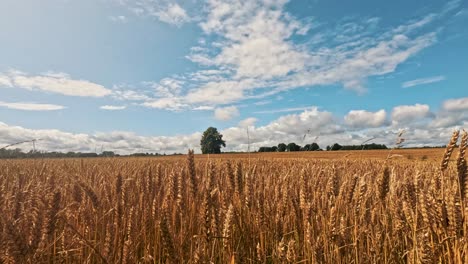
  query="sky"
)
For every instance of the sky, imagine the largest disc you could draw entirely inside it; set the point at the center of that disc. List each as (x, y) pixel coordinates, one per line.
(152, 75)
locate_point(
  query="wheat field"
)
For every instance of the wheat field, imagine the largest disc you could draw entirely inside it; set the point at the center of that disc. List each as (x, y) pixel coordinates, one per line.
(244, 209)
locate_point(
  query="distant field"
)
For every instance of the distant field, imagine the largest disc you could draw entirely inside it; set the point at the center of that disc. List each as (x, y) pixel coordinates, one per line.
(301, 207)
(418, 154)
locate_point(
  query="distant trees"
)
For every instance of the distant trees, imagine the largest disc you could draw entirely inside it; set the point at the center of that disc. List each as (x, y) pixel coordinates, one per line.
(337, 146)
(19, 154)
(311, 147)
(212, 141)
(366, 146)
(334, 147)
(268, 149)
(281, 147)
(291, 147)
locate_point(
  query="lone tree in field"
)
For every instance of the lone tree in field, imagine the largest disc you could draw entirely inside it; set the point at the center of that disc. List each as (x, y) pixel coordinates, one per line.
(212, 141)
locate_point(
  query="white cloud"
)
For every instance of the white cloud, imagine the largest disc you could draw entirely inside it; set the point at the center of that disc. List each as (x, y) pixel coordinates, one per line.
(248, 122)
(118, 19)
(129, 95)
(285, 129)
(173, 14)
(31, 106)
(253, 53)
(312, 119)
(168, 103)
(460, 104)
(165, 11)
(288, 128)
(219, 92)
(284, 110)
(5, 81)
(60, 83)
(118, 141)
(113, 107)
(263, 102)
(449, 119)
(167, 87)
(258, 50)
(454, 112)
(226, 113)
(423, 81)
(257, 34)
(365, 119)
(405, 114)
(203, 108)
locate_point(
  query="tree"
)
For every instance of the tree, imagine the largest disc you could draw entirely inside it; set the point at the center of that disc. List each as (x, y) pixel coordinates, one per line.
(336, 146)
(212, 141)
(311, 147)
(293, 147)
(314, 147)
(281, 147)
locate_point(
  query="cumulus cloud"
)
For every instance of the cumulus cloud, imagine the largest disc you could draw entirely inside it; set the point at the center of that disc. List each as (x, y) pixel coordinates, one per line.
(454, 112)
(365, 119)
(113, 107)
(5, 81)
(53, 82)
(31, 106)
(254, 53)
(223, 92)
(248, 122)
(284, 110)
(404, 114)
(173, 14)
(165, 11)
(226, 113)
(422, 81)
(288, 128)
(118, 141)
(258, 57)
(460, 104)
(167, 87)
(168, 103)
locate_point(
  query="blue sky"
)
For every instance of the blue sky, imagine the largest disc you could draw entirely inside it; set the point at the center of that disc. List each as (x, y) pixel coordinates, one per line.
(159, 72)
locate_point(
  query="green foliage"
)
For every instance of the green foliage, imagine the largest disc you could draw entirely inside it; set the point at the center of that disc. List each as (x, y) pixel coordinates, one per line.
(335, 146)
(281, 147)
(212, 141)
(311, 147)
(293, 147)
(365, 146)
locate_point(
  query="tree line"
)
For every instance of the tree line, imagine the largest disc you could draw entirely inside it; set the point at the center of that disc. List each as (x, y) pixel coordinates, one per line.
(291, 147)
(19, 154)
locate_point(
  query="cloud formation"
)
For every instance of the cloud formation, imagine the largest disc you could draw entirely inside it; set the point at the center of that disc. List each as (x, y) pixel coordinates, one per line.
(356, 127)
(166, 11)
(113, 107)
(422, 81)
(253, 54)
(459, 104)
(60, 83)
(226, 113)
(28, 106)
(405, 114)
(365, 119)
